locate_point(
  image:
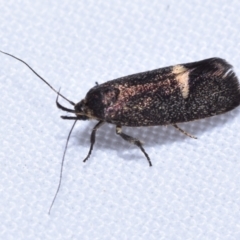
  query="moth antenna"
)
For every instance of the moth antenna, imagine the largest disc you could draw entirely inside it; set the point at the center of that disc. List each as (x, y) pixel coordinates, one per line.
(61, 171)
(72, 103)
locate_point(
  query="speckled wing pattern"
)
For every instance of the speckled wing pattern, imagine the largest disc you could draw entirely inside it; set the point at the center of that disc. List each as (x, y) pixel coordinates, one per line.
(169, 95)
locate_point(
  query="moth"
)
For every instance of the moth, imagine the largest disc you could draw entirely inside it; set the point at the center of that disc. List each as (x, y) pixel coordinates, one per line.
(164, 96)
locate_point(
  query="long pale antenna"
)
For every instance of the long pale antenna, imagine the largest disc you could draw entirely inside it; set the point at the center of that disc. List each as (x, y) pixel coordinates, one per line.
(72, 103)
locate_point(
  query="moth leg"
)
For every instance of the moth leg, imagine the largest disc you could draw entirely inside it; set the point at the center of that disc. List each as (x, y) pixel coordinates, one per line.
(134, 141)
(182, 131)
(92, 139)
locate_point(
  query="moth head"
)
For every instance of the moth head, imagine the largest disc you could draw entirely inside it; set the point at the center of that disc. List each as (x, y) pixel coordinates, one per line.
(79, 110)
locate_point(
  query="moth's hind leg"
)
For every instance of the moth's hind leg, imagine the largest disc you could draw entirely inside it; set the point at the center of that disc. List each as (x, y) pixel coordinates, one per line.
(182, 131)
(134, 141)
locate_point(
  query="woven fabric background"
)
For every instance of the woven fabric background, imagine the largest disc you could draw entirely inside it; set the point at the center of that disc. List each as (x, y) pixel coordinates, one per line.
(193, 189)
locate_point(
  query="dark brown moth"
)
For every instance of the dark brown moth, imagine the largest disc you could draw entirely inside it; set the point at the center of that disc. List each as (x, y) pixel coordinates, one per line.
(165, 96)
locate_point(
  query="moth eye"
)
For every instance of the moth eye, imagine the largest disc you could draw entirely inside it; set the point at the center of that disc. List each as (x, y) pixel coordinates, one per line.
(79, 107)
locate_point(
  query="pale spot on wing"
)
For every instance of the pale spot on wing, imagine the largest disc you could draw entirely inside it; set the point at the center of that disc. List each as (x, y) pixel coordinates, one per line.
(182, 77)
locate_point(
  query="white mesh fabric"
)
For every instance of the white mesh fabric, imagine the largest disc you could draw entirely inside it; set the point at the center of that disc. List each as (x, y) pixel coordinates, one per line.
(192, 190)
